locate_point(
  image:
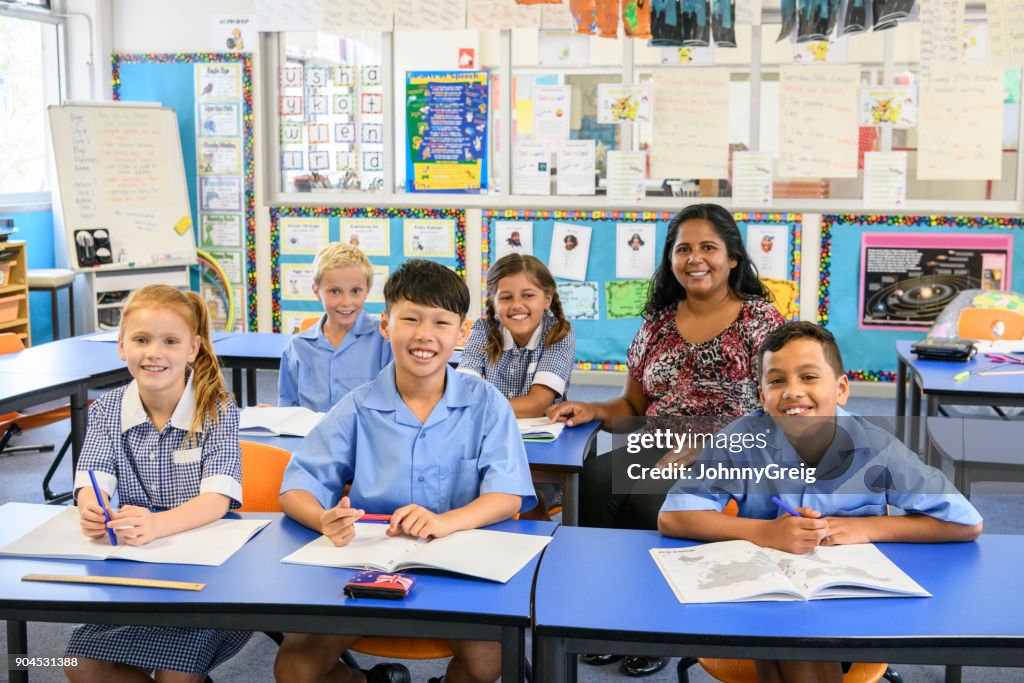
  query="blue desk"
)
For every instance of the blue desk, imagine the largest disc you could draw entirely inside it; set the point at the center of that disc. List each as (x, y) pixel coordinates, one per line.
(254, 591)
(599, 591)
(934, 381)
(559, 461)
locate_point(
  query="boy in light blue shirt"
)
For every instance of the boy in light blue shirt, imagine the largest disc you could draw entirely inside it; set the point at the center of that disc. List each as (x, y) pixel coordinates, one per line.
(344, 349)
(840, 472)
(438, 450)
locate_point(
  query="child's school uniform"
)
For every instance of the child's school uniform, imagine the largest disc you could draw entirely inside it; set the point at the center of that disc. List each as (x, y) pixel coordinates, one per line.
(150, 469)
(469, 445)
(864, 471)
(520, 367)
(316, 375)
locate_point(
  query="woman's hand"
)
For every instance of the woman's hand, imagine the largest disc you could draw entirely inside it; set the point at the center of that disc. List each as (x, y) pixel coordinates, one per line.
(572, 413)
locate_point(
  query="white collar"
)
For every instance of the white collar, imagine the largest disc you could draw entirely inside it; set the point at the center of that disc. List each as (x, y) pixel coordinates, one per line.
(133, 413)
(510, 343)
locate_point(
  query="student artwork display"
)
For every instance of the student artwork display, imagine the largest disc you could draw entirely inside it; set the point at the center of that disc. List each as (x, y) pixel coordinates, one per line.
(552, 109)
(907, 279)
(820, 52)
(446, 131)
(580, 300)
(562, 48)
(213, 96)
(387, 236)
(635, 250)
(752, 178)
(430, 15)
(577, 174)
(513, 237)
(502, 14)
(888, 105)
(690, 138)
(531, 168)
(570, 251)
(626, 298)
(626, 177)
(818, 141)
(1006, 45)
(358, 15)
(623, 103)
(885, 179)
(768, 247)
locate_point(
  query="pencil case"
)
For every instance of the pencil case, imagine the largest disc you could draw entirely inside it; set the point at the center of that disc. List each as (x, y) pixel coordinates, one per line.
(372, 584)
(938, 348)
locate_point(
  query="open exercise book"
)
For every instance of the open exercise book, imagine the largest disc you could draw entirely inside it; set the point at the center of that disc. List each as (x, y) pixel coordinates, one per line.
(538, 429)
(290, 421)
(740, 571)
(491, 555)
(61, 537)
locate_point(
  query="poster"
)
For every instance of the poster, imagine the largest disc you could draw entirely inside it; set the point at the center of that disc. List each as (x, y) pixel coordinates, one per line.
(818, 122)
(768, 248)
(220, 193)
(303, 235)
(752, 178)
(563, 48)
(626, 177)
(218, 81)
(371, 235)
(888, 105)
(358, 15)
(219, 156)
(623, 103)
(292, 320)
(512, 237)
(570, 251)
(577, 172)
(446, 131)
(531, 168)
(429, 237)
(380, 276)
(552, 105)
(220, 230)
(691, 137)
(625, 298)
(231, 263)
(885, 179)
(219, 119)
(906, 279)
(580, 300)
(635, 246)
(297, 281)
(234, 33)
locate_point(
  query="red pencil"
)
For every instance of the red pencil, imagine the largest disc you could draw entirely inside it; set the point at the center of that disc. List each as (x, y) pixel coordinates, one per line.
(371, 517)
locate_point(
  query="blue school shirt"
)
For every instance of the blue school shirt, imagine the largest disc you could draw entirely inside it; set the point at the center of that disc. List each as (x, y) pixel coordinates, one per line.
(469, 445)
(520, 367)
(316, 375)
(864, 470)
(149, 468)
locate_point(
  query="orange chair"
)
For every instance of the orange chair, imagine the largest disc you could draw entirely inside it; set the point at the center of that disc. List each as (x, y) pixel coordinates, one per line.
(262, 470)
(308, 322)
(14, 423)
(990, 324)
(745, 670)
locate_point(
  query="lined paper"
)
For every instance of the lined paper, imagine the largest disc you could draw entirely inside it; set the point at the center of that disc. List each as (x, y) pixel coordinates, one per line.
(818, 121)
(363, 15)
(1006, 32)
(691, 124)
(431, 15)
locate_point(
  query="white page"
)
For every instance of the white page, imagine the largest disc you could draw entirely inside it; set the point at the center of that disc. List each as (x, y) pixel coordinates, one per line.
(289, 15)
(690, 136)
(818, 130)
(210, 545)
(768, 248)
(570, 251)
(752, 178)
(859, 566)
(531, 168)
(731, 571)
(552, 110)
(371, 548)
(431, 15)
(635, 247)
(626, 174)
(538, 428)
(623, 103)
(102, 337)
(960, 125)
(502, 14)
(885, 179)
(576, 167)
(942, 36)
(291, 420)
(1006, 40)
(358, 15)
(512, 237)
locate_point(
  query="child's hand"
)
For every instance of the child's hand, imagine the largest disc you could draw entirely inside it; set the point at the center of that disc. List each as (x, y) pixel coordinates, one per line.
(418, 521)
(92, 521)
(336, 523)
(797, 535)
(571, 413)
(264, 405)
(135, 525)
(847, 530)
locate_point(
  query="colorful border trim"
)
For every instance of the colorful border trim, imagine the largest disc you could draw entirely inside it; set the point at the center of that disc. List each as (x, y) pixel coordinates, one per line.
(859, 220)
(248, 137)
(277, 212)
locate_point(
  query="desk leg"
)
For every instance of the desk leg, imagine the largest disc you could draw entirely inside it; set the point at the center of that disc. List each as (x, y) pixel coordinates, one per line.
(250, 386)
(571, 499)
(901, 397)
(513, 655)
(550, 661)
(17, 644)
(79, 422)
(953, 674)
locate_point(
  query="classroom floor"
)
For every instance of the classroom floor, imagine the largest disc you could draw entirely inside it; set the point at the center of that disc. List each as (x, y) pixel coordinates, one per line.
(1002, 506)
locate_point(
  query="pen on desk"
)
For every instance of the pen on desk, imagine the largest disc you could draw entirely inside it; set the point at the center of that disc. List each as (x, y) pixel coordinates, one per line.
(99, 500)
(373, 517)
(778, 501)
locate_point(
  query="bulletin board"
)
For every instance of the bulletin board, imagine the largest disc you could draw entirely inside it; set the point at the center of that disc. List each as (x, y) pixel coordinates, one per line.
(291, 258)
(870, 354)
(171, 80)
(603, 338)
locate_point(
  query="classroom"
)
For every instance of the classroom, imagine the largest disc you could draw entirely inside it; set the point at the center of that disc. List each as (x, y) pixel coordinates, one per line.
(663, 236)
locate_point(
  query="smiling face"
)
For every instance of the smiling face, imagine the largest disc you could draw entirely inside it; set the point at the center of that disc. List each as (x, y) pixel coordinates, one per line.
(343, 292)
(157, 344)
(519, 305)
(797, 381)
(422, 338)
(700, 259)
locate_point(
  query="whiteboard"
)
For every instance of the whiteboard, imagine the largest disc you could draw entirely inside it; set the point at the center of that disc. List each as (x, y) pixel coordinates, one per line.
(120, 168)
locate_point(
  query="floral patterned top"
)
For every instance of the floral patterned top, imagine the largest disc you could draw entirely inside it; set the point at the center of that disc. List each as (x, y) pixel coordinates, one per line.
(716, 377)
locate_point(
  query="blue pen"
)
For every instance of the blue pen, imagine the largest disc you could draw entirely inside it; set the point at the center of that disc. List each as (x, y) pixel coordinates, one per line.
(778, 501)
(99, 499)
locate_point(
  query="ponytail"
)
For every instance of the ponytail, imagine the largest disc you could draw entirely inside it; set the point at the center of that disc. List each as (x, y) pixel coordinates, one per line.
(562, 327)
(513, 264)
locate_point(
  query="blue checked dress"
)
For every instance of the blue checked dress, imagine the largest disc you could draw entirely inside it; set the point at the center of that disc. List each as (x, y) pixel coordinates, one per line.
(149, 469)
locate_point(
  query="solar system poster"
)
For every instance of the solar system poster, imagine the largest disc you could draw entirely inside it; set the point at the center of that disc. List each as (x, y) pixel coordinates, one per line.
(907, 279)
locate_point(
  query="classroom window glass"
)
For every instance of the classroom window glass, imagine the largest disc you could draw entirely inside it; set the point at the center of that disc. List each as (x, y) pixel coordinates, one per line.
(330, 108)
(28, 78)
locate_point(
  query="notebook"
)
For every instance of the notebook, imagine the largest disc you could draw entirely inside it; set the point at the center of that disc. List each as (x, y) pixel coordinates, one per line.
(270, 421)
(740, 571)
(61, 537)
(538, 429)
(492, 555)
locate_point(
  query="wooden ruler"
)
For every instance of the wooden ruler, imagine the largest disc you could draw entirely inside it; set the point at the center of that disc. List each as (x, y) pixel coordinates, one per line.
(116, 581)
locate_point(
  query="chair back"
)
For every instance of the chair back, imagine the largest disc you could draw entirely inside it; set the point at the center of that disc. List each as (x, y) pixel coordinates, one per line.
(308, 322)
(262, 472)
(10, 343)
(990, 324)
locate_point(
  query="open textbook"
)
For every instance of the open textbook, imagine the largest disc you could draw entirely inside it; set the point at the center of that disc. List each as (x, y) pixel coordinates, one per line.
(290, 421)
(740, 571)
(491, 555)
(61, 537)
(538, 429)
